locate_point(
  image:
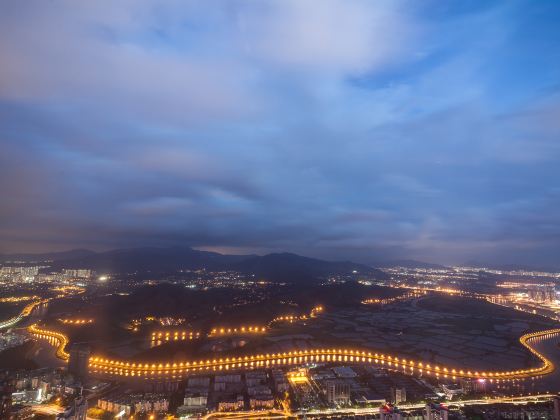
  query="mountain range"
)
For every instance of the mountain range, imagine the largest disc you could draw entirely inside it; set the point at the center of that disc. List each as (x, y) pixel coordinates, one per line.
(278, 266)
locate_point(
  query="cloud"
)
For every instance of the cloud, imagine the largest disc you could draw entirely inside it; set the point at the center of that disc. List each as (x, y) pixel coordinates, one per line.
(340, 129)
(338, 36)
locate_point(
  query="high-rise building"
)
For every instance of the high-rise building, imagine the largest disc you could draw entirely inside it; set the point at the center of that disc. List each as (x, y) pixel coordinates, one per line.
(542, 294)
(474, 385)
(79, 273)
(398, 395)
(79, 360)
(338, 392)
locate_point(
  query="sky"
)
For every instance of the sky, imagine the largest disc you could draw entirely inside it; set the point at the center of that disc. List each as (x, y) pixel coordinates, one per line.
(340, 129)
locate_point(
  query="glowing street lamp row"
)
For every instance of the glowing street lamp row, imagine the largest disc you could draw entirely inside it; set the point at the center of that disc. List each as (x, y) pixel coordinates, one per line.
(169, 369)
(385, 301)
(59, 339)
(76, 321)
(294, 318)
(122, 368)
(175, 335)
(158, 337)
(216, 332)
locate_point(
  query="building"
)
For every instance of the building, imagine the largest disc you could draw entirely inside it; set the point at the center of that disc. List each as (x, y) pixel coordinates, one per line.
(389, 412)
(116, 405)
(452, 390)
(232, 404)
(23, 273)
(196, 399)
(281, 384)
(21, 412)
(398, 395)
(436, 411)
(80, 408)
(338, 392)
(545, 294)
(344, 372)
(196, 393)
(369, 398)
(198, 382)
(77, 411)
(79, 360)
(78, 274)
(255, 378)
(228, 379)
(475, 386)
(261, 402)
(259, 390)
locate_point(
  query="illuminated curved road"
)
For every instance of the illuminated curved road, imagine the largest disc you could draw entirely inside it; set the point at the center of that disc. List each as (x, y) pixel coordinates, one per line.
(26, 311)
(346, 355)
(100, 365)
(56, 338)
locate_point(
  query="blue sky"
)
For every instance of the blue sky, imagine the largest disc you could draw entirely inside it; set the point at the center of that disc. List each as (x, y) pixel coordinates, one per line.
(365, 130)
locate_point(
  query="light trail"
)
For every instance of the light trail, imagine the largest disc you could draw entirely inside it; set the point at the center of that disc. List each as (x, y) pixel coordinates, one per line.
(121, 368)
(25, 312)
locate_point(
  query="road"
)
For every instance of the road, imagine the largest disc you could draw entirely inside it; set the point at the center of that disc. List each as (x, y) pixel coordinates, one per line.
(165, 370)
(47, 409)
(277, 414)
(25, 312)
(100, 365)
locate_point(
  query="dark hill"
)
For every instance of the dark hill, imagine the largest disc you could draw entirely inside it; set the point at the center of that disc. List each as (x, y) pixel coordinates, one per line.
(150, 259)
(279, 267)
(289, 266)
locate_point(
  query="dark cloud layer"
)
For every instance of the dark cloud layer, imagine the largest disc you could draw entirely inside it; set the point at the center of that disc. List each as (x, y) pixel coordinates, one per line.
(345, 129)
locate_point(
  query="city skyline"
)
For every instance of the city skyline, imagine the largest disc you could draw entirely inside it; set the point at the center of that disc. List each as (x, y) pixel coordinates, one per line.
(355, 130)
